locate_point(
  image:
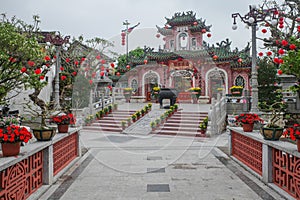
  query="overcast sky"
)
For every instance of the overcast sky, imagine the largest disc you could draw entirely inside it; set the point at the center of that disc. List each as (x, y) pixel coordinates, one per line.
(99, 18)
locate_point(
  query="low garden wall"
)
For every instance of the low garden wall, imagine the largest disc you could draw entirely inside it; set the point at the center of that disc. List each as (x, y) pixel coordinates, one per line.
(38, 164)
(276, 163)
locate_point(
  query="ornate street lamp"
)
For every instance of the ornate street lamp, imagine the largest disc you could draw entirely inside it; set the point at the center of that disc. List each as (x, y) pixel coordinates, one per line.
(60, 43)
(252, 18)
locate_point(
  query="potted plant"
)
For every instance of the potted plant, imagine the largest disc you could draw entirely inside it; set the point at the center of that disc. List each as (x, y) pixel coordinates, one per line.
(110, 108)
(273, 129)
(138, 114)
(115, 106)
(123, 124)
(128, 121)
(247, 120)
(293, 132)
(236, 90)
(105, 110)
(63, 121)
(202, 127)
(133, 117)
(153, 125)
(155, 92)
(157, 122)
(149, 106)
(127, 93)
(143, 112)
(176, 107)
(11, 137)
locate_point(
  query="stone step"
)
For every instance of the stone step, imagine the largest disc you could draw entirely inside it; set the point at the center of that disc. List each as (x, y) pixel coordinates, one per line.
(100, 129)
(186, 118)
(180, 133)
(192, 125)
(107, 124)
(179, 128)
(182, 121)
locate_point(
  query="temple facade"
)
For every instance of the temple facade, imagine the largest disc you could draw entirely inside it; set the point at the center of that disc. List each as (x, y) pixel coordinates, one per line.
(187, 61)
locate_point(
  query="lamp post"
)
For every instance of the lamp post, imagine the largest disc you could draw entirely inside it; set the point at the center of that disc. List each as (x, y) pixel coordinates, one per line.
(252, 18)
(59, 42)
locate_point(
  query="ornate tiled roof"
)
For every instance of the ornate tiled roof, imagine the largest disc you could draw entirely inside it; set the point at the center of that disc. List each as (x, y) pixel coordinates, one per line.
(182, 19)
(222, 50)
(200, 26)
(164, 31)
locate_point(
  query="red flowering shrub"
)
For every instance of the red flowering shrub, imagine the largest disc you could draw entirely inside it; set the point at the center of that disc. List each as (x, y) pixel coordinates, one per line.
(248, 118)
(64, 119)
(292, 132)
(14, 133)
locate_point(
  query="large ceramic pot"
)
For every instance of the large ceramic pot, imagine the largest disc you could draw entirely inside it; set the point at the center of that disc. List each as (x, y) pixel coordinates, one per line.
(10, 149)
(271, 133)
(248, 127)
(44, 134)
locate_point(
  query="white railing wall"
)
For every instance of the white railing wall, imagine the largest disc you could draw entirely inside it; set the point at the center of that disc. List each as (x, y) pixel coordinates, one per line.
(216, 116)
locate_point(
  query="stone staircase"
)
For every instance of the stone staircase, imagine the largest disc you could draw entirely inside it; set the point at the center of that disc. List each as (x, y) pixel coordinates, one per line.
(183, 123)
(111, 122)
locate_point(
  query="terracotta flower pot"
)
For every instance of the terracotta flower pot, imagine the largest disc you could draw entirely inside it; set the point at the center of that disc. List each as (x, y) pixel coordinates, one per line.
(10, 149)
(63, 128)
(248, 127)
(298, 144)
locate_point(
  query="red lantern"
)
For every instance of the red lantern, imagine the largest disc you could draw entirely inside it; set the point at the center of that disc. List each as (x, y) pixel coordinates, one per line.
(31, 63)
(280, 51)
(123, 34)
(158, 35)
(91, 82)
(280, 61)
(284, 42)
(269, 53)
(74, 73)
(23, 69)
(292, 47)
(42, 77)
(107, 70)
(276, 60)
(264, 30)
(203, 30)
(62, 69)
(102, 73)
(276, 12)
(128, 67)
(102, 68)
(195, 23)
(281, 26)
(103, 61)
(37, 71)
(98, 57)
(208, 35)
(112, 65)
(76, 62)
(260, 54)
(281, 19)
(215, 57)
(67, 60)
(145, 62)
(240, 60)
(118, 74)
(298, 28)
(63, 77)
(279, 71)
(47, 58)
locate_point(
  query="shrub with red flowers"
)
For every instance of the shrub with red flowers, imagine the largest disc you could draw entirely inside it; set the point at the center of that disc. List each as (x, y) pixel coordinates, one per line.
(292, 132)
(64, 119)
(14, 133)
(248, 118)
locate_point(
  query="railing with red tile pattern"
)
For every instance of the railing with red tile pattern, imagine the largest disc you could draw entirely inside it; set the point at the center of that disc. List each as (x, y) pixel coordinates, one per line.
(286, 172)
(22, 175)
(248, 151)
(280, 160)
(64, 152)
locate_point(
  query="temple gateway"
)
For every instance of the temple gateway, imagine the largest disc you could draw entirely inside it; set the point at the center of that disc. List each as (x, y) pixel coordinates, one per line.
(187, 61)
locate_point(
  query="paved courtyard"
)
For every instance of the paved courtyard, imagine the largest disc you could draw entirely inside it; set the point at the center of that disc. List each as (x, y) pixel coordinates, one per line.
(120, 166)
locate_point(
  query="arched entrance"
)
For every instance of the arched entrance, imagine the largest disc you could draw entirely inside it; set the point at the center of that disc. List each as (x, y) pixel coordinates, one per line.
(217, 81)
(182, 80)
(151, 79)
